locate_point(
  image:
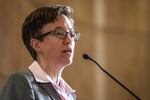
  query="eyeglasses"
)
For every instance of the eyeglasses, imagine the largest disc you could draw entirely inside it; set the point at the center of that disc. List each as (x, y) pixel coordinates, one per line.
(60, 33)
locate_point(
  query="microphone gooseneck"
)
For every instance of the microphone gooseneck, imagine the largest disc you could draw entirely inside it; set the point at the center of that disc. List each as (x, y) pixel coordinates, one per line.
(86, 57)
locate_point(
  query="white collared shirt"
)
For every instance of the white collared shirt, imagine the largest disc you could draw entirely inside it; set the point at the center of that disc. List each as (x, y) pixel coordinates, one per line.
(63, 89)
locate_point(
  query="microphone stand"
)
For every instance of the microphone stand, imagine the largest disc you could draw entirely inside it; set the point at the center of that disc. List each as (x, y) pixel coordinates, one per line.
(86, 57)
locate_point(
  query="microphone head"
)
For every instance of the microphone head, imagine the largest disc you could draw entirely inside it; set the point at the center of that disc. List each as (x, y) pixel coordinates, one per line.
(85, 56)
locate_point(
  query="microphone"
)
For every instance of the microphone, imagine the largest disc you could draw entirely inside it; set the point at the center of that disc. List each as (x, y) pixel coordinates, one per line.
(86, 57)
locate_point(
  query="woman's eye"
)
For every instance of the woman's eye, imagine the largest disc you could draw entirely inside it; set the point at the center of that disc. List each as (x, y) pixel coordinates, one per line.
(60, 33)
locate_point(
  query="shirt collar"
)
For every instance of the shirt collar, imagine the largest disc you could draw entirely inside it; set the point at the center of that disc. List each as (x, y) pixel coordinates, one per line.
(42, 77)
(39, 74)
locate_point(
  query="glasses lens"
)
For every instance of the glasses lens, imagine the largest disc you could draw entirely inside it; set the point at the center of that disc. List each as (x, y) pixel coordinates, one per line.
(60, 33)
(77, 36)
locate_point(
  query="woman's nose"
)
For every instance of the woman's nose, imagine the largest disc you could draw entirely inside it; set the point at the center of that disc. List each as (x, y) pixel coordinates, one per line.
(68, 39)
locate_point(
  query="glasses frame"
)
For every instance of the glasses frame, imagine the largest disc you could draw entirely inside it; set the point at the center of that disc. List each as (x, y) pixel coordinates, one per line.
(54, 32)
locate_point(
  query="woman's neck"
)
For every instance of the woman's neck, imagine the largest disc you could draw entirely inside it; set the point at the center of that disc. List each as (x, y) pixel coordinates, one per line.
(53, 70)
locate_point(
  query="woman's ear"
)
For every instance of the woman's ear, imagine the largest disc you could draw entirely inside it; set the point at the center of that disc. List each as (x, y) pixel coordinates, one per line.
(35, 45)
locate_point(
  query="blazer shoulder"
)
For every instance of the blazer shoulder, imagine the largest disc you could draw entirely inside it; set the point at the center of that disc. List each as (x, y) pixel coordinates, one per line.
(28, 75)
(18, 87)
(24, 74)
(25, 77)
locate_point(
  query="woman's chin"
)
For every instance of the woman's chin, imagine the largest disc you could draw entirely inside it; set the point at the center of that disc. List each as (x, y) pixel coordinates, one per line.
(67, 63)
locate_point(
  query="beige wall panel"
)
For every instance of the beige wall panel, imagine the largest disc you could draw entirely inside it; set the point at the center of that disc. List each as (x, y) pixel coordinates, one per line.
(114, 32)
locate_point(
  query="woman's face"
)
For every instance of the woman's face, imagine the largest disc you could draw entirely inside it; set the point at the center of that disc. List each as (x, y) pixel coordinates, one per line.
(55, 51)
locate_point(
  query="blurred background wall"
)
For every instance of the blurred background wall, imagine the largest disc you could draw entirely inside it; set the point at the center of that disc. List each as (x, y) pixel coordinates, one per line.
(116, 33)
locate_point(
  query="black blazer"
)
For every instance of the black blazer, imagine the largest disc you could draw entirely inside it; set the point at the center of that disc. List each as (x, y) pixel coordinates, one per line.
(23, 86)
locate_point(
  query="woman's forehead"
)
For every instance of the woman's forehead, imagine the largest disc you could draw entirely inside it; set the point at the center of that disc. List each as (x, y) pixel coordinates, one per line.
(62, 21)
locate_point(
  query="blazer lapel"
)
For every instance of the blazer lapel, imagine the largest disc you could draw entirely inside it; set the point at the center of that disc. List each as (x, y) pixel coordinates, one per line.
(48, 87)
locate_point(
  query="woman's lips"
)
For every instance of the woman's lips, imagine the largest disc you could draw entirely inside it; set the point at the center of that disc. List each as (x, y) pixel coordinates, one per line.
(67, 51)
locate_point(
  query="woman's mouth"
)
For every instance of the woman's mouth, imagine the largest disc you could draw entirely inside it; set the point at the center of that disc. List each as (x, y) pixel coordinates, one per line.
(68, 51)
